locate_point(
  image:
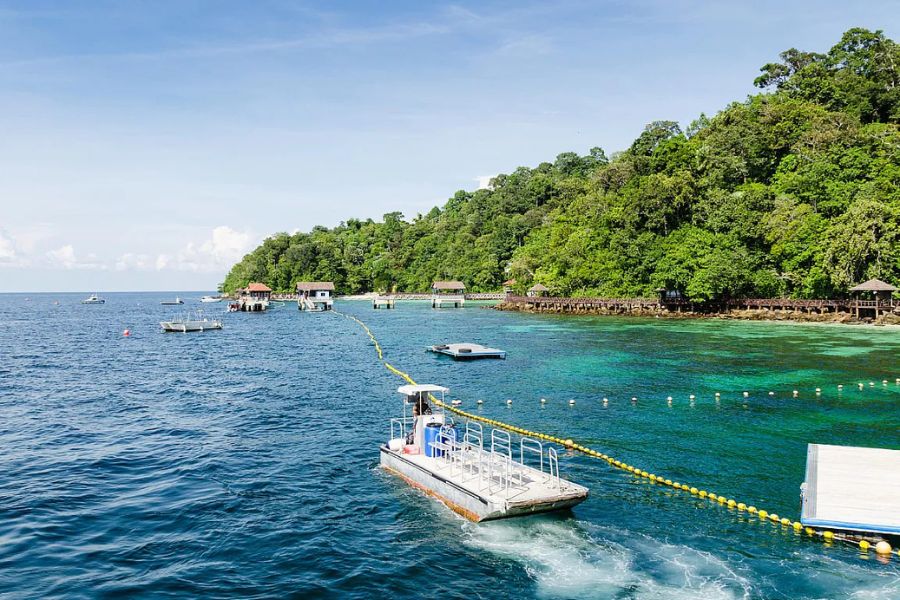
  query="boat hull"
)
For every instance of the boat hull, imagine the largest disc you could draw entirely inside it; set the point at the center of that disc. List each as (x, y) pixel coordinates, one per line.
(188, 327)
(468, 503)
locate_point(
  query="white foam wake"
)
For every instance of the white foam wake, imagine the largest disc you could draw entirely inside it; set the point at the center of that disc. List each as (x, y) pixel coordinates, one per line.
(567, 561)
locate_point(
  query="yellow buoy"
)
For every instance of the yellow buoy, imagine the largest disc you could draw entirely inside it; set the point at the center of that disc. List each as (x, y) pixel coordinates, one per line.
(864, 545)
(732, 504)
(810, 531)
(774, 517)
(785, 521)
(694, 490)
(702, 494)
(883, 547)
(828, 535)
(763, 514)
(741, 506)
(798, 526)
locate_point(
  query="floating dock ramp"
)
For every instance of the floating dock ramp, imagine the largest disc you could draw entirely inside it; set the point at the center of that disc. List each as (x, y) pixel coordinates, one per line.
(853, 489)
(467, 351)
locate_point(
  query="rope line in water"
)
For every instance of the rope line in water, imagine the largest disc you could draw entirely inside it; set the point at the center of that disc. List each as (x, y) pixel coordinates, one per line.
(764, 515)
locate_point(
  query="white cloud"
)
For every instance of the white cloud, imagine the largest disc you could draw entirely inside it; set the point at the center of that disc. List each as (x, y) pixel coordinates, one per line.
(162, 261)
(7, 249)
(65, 257)
(133, 261)
(224, 247)
(484, 181)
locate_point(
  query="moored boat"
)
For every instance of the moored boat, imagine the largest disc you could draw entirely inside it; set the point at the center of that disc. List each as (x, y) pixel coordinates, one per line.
(93, 299)
(188, 324)
(479, 474)
(208, 299)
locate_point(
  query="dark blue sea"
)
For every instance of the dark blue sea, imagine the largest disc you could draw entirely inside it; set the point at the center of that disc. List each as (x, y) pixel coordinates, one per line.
(243, 463)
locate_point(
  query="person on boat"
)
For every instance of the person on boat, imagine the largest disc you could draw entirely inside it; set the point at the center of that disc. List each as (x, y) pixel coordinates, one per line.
(420, 407)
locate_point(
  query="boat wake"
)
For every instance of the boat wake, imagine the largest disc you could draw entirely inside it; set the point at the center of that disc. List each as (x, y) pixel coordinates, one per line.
(568, 559)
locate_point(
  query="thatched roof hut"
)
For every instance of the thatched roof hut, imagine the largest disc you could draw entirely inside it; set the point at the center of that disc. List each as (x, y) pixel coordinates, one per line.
(874, 285)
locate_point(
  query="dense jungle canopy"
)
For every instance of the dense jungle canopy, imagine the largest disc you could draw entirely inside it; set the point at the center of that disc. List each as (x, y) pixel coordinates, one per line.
(793, 192)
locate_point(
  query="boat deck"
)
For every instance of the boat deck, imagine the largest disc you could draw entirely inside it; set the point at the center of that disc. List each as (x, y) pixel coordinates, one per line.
(852, 488)
(482, 486)
(467, 351)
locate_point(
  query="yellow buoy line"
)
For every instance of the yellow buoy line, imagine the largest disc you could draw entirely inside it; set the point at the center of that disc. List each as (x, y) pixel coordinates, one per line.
(881, 548)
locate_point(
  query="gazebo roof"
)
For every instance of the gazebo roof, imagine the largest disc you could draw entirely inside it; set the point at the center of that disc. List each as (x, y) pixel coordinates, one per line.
(539, 287)
(311, 286)
(874, 285)
(448, 285)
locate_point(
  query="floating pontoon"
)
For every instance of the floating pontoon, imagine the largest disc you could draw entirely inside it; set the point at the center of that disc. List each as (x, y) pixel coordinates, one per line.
(188, 324)
(480, 475)
(852, 489)
(467, 351)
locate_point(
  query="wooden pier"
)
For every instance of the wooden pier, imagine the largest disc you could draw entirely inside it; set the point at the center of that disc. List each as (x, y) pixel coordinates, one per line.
(383, 302)
(857, 308)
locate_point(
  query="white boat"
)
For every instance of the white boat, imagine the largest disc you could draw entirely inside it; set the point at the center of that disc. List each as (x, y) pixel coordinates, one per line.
(479, 474)
(207, 299)
(174, 302)
(186, 324)
(93, 299)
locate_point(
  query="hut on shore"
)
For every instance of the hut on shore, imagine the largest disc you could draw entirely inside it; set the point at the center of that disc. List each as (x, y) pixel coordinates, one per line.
(315, 296)
(537, 290)
(447, 293)
(508, 286)
(254, 298)
(873, 295)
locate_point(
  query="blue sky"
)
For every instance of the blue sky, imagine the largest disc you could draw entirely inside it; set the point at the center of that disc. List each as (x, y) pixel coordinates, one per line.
(148, 145)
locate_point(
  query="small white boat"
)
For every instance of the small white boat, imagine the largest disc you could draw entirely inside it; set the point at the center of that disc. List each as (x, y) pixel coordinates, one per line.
(186, 324)
(479, 474)
(174, 302)
(208, 299)
(93, 299)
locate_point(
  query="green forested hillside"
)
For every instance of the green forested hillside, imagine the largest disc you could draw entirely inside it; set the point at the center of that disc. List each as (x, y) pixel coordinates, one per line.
(795, 191)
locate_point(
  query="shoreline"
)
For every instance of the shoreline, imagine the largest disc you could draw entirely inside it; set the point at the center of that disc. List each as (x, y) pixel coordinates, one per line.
(775, 316)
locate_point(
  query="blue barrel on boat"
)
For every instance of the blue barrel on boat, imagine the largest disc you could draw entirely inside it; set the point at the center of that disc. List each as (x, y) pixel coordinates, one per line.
(432, 431)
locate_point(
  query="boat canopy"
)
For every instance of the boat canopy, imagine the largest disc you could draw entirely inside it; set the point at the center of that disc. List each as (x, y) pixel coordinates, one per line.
(411, 390)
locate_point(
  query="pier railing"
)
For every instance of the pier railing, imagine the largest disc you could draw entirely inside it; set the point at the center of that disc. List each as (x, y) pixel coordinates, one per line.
(574, 304)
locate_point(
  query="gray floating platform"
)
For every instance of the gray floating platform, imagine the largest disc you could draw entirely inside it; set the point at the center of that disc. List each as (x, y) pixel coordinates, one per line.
(467, 351)
(482, 495)
(851, 488)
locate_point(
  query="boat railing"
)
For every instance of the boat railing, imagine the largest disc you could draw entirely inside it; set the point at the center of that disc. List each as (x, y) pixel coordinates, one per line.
(474, 435)
(501, 442)
(401, 425)
(553, 463)
(530, 447)
(495, 469)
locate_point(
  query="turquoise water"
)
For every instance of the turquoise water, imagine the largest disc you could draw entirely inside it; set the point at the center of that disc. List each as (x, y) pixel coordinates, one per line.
(243, 462)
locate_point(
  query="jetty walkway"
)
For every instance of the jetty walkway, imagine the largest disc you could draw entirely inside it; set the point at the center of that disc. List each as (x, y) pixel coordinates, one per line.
(588, 305)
